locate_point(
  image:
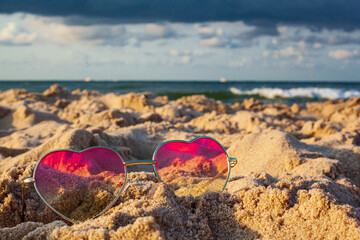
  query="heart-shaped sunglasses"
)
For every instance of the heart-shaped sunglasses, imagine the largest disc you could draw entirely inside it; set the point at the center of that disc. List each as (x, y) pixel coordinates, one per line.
(83, 185)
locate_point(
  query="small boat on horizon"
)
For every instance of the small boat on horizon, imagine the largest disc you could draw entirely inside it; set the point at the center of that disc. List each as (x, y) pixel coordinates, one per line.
(87, 79)
(223, 80)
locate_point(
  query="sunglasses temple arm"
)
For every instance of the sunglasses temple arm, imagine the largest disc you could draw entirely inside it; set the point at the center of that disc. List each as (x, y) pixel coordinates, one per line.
(211, 180)
(24, 187)
(233, 162)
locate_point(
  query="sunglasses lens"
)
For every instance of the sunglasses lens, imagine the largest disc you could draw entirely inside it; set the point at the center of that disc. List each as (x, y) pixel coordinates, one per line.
(80, 185)
(193, 168)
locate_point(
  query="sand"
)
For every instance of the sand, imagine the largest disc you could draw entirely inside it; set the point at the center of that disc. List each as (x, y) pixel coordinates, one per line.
(297, 177)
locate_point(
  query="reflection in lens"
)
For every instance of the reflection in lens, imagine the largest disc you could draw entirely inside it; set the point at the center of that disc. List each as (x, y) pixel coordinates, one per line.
(80, 185)
(192, 168)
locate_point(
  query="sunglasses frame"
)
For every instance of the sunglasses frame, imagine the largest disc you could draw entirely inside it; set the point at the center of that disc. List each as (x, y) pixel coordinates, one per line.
(231, 163)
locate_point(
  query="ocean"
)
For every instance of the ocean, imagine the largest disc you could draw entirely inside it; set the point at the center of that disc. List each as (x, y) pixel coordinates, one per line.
(231, 91)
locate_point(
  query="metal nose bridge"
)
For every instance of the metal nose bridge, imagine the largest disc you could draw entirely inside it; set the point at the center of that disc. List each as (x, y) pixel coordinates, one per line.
(145, 162)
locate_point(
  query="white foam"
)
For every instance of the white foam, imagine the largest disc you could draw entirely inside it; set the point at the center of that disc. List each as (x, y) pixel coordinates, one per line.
(329, 93)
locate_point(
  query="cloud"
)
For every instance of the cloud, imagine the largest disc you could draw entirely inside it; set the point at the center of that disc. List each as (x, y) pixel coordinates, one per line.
(186, 59)
(317, 45)
(54, 30)
(189, 56)
(318, 14)
(215, 42)
(174, 52)
(13, 35)
(158, 31)
(342, 54)
(330, 37)
(259, 32)
(212, 35)
(265, 54)
(289, 35)
(334, 38)
(289, 51)
(228, 35)
(205, 30)
(225, 41)
(98, 35)
(242, 63)
(191, 53)
(288, 54)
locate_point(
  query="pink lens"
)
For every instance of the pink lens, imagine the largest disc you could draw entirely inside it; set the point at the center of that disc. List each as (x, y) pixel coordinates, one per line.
(80, 185)
(193, 168)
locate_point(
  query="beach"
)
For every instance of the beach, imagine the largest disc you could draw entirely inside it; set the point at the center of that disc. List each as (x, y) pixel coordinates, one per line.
(297, 174)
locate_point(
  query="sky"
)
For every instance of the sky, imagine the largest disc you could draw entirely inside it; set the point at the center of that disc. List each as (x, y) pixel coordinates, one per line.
(180, 40)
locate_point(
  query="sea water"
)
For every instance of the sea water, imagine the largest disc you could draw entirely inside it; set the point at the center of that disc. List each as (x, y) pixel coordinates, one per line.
(231, 91)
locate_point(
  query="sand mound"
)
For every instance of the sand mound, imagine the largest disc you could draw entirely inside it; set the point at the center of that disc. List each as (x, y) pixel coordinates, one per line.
(279, 154)
(321, 128)
(271, 209)
(274, 212)
(297, 176)
(138, 102)
(56, 91)
(4, 111)
(338, 110)
(24, 117)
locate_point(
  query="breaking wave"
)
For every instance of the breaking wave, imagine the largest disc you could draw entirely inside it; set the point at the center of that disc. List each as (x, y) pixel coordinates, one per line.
(311, 92)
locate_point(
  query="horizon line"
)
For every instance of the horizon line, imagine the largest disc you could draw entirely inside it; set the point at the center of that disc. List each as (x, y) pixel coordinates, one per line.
(176, 80)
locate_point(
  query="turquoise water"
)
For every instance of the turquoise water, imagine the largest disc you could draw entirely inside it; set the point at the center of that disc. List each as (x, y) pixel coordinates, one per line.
(231, 91)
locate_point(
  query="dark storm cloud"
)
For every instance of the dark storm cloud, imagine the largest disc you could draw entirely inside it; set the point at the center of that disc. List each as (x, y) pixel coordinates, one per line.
(322, 38)
(332, 14)
(334, 40)
(258, 32)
